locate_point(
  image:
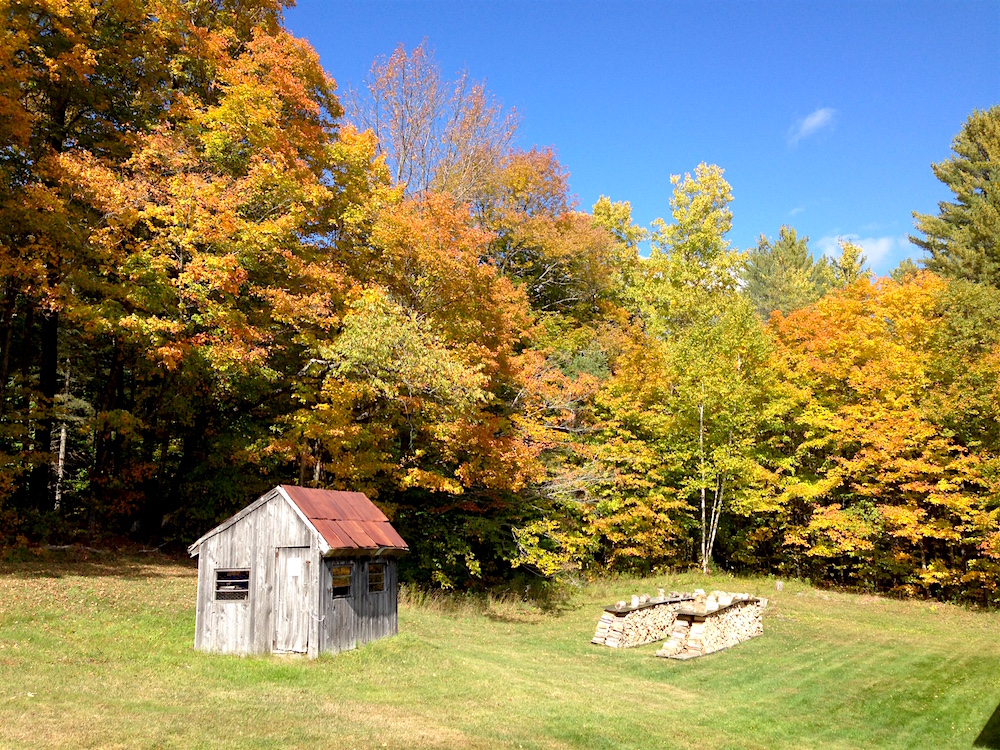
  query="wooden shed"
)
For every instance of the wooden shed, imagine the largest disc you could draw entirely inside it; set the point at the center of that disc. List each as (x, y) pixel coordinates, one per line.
(298, 571)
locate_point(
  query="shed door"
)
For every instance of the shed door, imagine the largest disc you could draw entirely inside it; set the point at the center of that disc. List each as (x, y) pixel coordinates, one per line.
(291, 599)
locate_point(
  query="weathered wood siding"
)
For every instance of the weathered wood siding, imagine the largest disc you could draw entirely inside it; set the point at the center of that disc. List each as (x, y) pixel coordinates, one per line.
(351, 621)
(249, 626)
(294, 604)
(245, 627)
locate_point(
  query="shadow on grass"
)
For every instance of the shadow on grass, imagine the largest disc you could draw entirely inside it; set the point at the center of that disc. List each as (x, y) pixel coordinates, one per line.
(92, 563)
(499, 604)
(990, 736)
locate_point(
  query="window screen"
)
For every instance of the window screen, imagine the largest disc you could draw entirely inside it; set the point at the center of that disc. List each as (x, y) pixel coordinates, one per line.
(376, 577)
(232, 585)
(340, 578)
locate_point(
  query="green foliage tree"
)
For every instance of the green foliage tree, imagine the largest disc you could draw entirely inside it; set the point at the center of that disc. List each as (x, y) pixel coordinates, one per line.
(616, 218)
(782, 275)
(850, 266)
(906, 269)
(691, 266)
(963, 239)
(697, 419)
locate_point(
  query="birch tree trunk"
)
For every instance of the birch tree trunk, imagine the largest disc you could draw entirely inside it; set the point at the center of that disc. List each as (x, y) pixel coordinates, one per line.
(61, 456)
(701, 451)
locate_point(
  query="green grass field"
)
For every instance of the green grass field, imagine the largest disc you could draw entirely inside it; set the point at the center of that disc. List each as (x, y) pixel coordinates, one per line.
(99, 655)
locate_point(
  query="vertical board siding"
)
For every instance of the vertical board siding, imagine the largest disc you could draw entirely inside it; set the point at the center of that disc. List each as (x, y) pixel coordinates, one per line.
(293, 608)
(352, 621)
(248, 626)
(245, 627)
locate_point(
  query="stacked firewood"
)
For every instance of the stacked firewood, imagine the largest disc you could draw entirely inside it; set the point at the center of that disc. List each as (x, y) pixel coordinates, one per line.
(646, 620)
(692, 624)
(739, 622)
(712, 623)
(678, 639)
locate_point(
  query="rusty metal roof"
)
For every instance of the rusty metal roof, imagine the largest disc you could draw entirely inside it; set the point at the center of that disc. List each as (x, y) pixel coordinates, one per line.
(346, 520)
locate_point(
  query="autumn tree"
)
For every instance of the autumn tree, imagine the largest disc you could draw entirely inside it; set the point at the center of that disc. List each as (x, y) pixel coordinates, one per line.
(71, 84)
(220, 251)
(566, 262)
(963, 239)
(407, 396)
(434, 134)
(682, 406)
(880, 488)
(616, 218)
(197, 157)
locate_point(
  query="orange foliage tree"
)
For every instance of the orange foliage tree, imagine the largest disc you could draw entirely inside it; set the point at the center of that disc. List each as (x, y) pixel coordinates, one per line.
(874, 488)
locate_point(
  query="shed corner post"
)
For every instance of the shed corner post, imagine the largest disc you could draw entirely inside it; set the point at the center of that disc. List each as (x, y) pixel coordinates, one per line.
(316, 614)
(199, 607)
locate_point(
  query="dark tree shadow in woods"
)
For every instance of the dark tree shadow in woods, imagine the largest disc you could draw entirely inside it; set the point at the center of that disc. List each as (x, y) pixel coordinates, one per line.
(990, 736)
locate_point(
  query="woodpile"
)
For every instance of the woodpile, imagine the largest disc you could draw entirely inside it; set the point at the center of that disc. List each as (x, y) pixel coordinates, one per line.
(692, 624)
(645, 620)
(713, 623)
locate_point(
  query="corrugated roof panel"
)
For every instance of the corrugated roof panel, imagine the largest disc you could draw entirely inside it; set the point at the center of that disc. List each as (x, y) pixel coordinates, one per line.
(360, 507)
(394, 537)
(335, 537)
(305, 498)
(359, 534)
(376, 532)
(334, 504)
(346, 520)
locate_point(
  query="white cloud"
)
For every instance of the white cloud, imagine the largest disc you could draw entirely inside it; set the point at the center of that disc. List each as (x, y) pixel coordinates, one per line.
(796, 211)
(810, 125)
(882, 252)
(829, 246)
(879, 249)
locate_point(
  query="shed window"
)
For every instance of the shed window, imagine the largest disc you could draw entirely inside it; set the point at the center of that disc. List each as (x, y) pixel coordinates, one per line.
(376, 577)
(232, 585)
(340, 579)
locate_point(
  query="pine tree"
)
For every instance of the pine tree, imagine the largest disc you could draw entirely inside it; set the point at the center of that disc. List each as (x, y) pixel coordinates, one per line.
(963, 239)
(783, 276)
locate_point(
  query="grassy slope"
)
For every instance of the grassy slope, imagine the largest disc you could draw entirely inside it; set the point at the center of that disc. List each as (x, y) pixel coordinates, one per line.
(100, 656)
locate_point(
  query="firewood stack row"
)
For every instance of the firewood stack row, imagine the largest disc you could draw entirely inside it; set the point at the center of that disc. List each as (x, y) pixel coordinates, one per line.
(693, 624)
(645, 620)
(713, 623)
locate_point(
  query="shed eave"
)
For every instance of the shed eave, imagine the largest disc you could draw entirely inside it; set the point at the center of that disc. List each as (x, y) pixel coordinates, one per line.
(369, 551)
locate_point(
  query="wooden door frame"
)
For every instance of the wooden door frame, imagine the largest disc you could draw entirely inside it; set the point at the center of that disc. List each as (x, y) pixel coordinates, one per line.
(307, 612)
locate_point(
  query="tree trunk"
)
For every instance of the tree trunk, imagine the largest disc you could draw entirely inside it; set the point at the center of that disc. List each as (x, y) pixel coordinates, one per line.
(6, 335)
(717, 503)
(701, 452)
(60, 463)
(318, 465)
(304, 463)
(41, 483)
(102, 434)
(61, 457)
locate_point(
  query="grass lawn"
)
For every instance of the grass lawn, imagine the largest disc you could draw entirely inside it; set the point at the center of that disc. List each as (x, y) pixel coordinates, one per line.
(96, 655)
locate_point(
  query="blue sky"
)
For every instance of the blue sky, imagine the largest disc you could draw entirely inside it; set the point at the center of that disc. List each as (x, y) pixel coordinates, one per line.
(825, 115)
